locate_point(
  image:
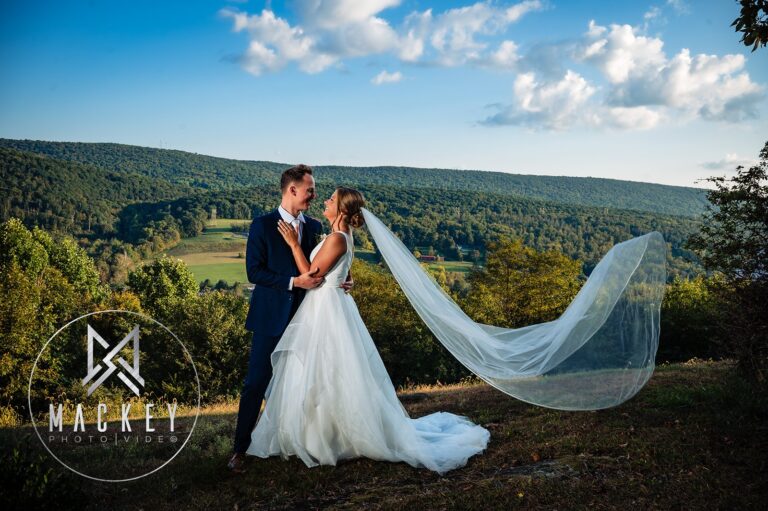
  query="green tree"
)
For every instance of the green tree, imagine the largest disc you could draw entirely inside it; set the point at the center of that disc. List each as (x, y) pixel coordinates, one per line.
(753, 23)
(162, 284)
(409, 350)
(439, 274)
(733, 240)
(733, 237)
(520, 286)
(212, 327)
(73, 262)
(39, 292)
(691, 314)
(17, 244)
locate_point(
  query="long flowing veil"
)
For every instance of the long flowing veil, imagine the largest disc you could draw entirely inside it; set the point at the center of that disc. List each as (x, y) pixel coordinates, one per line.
(597, 354)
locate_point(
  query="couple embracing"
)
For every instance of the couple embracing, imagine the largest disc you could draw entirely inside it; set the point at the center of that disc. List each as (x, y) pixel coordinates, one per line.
(328, 394)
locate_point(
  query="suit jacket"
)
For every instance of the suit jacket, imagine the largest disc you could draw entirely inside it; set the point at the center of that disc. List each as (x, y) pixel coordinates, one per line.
(270, 265)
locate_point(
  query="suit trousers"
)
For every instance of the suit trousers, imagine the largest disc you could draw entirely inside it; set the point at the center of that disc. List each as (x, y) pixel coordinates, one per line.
(256, 382)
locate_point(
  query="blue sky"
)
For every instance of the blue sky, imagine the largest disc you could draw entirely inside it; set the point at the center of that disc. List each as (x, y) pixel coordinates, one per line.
(646, 91)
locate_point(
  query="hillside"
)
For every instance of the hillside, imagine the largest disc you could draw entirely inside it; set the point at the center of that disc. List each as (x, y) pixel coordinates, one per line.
(86, 199)
(200, 171)
(689, 440)
(72, 197)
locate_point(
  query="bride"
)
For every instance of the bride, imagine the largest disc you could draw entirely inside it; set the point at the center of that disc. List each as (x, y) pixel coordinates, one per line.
(330, 397)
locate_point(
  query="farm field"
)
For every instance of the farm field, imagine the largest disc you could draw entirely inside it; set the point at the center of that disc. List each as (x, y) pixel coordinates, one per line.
(214, 255)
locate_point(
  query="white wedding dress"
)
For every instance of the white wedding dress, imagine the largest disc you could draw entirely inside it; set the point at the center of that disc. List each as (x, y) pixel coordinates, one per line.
(330, 397)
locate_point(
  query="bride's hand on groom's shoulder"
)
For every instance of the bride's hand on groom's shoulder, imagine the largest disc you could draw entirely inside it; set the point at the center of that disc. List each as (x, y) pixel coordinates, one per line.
(288, 233)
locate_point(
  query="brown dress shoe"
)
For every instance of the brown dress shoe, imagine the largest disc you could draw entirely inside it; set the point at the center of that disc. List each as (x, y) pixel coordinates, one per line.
(237, 463)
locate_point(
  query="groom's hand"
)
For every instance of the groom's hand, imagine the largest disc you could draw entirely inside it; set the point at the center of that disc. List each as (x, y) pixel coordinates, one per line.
(347, 285)
(308, 280)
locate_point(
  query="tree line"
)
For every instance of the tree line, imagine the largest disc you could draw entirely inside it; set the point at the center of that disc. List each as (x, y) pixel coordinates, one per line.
(46, 282)
(210, 173)
(122, 219)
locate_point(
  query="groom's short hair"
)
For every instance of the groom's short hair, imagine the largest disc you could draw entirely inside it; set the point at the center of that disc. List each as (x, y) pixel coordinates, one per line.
(294, 175)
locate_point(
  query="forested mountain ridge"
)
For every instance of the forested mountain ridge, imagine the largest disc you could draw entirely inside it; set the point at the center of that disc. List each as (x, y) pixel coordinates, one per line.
(208, 172)
(451, 220)
(117, 212)
(72, 197)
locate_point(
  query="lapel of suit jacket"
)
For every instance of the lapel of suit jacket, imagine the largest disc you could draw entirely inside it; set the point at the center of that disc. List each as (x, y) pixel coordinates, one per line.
(275, 217)
(275, 236)
(306, 236)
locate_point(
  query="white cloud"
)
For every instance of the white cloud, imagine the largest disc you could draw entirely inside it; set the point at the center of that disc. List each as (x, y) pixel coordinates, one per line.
(514, 13)
(643, 87)
(621, 52)
(554, 105)
(411, 47)
(332, 14)
(274, 43)
(453, 33)
(457, 36)
(332, 30)
(368, 37)
(652, 16)
(385, 77)
(652, 13)
(505, 56)
(625, 80)
(632, 118)
(680, 6)
(706, 86)
(259, 58)
(730, 162)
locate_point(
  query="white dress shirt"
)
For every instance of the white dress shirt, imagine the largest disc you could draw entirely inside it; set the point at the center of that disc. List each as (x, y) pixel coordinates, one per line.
(298, 223)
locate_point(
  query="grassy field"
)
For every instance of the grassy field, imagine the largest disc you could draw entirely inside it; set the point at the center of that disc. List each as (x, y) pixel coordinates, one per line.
(450, 266)
(455, 266)
(228, 266)
(689, 440)
(216, 238)
(215, 253)
(224, 224)
(229, 273)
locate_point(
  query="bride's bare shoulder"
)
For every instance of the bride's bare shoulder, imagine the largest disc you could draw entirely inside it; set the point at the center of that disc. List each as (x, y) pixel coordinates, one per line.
(333, 242)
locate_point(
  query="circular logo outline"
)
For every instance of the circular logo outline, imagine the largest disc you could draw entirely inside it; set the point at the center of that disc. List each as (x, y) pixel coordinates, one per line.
(34, 425)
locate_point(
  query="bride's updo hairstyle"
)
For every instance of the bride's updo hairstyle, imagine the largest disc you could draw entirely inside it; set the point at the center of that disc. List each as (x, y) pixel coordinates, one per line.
(350, 203)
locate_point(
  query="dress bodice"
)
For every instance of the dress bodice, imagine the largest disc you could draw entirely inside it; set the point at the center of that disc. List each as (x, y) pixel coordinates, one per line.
(338, 273)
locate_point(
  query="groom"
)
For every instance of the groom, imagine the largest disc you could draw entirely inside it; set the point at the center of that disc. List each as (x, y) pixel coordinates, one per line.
(277, 293)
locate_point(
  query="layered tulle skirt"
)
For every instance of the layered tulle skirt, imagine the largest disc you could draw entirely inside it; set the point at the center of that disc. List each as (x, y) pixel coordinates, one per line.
(330, 398)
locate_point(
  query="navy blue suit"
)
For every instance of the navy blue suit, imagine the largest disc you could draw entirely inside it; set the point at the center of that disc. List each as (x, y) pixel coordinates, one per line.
(269, 264)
